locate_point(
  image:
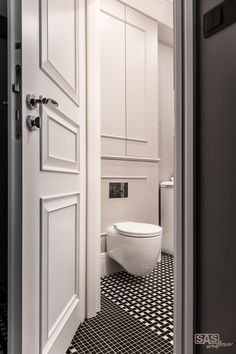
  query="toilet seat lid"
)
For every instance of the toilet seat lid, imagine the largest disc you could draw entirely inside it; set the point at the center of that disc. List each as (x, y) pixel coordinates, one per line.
(137, 229)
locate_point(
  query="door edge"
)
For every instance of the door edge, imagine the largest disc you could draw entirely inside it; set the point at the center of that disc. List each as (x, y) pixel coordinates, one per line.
(14, 182)
(93, 158)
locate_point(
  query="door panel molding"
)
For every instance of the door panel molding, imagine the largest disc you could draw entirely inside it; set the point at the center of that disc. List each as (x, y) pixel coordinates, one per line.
(113, 8)
(64, 74)
(56, 310)
(49, 328)
(59, 131)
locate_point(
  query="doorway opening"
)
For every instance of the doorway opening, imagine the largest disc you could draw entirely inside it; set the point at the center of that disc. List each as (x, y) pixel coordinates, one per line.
(116, 171)
(137, 184)
(3, 180)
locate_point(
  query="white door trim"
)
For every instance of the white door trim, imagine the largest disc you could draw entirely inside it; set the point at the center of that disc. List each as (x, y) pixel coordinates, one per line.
(93, 157)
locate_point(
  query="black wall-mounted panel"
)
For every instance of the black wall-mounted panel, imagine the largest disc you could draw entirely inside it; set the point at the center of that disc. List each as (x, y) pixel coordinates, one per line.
(3, 27)
(216, 184)
(118, 190)
(219, 17)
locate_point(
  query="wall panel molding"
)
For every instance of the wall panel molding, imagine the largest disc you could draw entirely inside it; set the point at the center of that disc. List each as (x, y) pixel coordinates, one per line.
(123, 138)
(129, 58)
(131, 158)
(124, 177)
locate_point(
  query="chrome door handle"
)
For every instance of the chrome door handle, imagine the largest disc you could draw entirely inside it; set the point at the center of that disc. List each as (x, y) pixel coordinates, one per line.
(32, 102)
(33, 123)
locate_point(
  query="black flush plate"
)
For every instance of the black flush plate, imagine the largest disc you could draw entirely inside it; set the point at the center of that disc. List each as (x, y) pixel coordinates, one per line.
(221, 16)
(118, 190)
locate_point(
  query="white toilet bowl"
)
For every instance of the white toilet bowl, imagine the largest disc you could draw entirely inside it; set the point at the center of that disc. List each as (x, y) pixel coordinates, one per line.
(135, 246)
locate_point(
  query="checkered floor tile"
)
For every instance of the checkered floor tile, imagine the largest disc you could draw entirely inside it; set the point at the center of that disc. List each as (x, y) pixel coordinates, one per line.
(136, 315)
(3, 318)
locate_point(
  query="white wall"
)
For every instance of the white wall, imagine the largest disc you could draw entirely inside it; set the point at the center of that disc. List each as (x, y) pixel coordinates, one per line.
(166, 111)
(143, 177)
(3, 7)
(143, 189)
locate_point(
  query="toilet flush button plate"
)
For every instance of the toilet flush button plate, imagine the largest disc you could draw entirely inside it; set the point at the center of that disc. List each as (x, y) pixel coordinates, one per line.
(118, 190)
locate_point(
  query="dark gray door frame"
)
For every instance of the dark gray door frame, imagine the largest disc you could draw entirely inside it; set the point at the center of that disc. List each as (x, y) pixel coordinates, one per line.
(184, 28)
(184, 172)
(14, 183)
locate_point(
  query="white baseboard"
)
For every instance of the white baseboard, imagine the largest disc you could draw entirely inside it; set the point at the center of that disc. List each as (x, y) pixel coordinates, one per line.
(168, 251)
(108, 265)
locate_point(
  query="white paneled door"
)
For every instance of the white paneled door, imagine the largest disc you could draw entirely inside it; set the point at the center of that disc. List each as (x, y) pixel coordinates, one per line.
(54, 173)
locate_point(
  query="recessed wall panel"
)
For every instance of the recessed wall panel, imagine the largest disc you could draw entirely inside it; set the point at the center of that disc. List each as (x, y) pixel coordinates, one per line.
(142, 85)
(113, 146)
(136, 82)
(112, 75)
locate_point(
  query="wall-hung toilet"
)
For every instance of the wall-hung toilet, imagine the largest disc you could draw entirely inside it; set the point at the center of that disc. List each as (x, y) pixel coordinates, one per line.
(135, 246)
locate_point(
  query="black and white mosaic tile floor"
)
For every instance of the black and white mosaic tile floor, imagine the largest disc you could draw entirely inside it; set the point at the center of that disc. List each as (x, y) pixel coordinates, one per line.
(3, 318)
(136, 315)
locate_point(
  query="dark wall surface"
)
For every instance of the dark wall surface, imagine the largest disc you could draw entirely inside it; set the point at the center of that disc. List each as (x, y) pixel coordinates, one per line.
(216, 184)
(3, 148)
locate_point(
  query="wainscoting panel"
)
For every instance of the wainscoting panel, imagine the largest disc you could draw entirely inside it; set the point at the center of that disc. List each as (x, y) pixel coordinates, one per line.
(142, 203)
(112, 75)
(113, 145)
(141, 85)
(136, 82)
